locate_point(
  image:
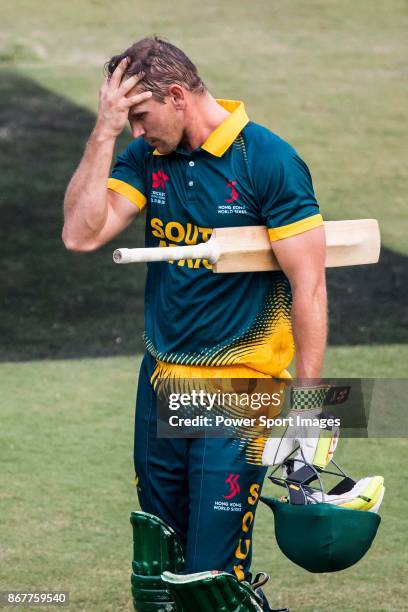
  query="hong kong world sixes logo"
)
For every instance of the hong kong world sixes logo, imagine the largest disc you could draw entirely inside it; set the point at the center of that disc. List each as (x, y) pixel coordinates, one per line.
(235, 489)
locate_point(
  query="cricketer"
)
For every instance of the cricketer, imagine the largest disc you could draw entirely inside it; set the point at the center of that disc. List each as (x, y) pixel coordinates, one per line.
(195, 163)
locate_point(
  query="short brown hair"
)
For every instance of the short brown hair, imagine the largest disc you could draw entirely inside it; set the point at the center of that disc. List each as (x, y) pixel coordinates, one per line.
(162, 63)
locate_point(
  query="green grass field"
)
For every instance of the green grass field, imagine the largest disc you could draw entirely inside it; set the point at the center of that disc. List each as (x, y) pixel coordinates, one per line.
(330, 77)
(67, 491)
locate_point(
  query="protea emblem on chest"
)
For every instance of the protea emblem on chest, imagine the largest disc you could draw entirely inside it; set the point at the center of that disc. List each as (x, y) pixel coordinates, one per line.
(159, 179)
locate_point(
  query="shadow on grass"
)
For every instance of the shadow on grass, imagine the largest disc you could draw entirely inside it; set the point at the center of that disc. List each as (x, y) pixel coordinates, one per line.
(57, 304)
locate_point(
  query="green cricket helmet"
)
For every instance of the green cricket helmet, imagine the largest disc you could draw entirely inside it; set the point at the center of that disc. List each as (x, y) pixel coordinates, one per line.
(324, 532)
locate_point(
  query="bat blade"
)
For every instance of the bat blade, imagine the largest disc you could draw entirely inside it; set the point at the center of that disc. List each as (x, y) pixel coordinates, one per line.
(248, 249)
(244, 249)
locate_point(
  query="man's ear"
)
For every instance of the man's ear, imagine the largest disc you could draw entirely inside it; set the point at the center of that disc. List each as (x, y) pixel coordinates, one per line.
(177, 95)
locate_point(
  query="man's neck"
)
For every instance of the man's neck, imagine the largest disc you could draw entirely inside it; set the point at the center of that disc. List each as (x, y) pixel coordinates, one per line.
(203, 116)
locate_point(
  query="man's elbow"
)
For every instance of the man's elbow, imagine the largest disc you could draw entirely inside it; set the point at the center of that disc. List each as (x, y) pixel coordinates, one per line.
(320, 282)
(309, 281)
(321, 292)
(318, 288)
(310, 289)
(77, 246)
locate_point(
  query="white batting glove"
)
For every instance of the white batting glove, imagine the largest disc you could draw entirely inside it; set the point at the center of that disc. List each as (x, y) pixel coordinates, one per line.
(316, 445)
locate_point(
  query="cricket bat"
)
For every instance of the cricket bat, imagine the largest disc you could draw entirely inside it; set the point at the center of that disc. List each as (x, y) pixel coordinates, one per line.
(249, 249)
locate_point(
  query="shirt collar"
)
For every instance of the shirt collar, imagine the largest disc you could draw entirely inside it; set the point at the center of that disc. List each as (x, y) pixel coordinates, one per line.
(224, 135)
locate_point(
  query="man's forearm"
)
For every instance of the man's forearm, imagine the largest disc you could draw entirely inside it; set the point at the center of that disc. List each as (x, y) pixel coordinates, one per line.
(85, 203)
(309, 323)
(90, 219)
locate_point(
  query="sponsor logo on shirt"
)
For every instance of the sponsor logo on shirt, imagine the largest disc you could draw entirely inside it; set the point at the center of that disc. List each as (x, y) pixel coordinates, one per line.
(159, 179)
(229, 208)
(234, 192)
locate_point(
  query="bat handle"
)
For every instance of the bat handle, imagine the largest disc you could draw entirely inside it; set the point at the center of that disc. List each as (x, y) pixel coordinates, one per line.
(204, 250)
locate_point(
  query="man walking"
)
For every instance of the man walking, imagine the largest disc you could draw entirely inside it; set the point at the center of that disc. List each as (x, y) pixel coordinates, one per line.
(196, 163)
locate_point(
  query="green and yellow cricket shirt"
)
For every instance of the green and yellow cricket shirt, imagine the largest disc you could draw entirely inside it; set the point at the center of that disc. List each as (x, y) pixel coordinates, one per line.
(242, 175)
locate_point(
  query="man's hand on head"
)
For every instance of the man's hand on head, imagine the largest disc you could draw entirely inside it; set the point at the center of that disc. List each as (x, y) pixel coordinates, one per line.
(115, 100)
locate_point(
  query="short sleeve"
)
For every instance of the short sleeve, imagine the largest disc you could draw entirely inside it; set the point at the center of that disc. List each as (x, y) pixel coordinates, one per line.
(285, 190)
(128, 173)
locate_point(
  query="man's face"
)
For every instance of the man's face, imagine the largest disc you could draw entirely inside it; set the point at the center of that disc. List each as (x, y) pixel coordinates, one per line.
(160, 124)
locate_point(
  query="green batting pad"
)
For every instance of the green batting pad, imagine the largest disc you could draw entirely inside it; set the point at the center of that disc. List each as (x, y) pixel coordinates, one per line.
(151, 595)
(211, 591)
(156, 547)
